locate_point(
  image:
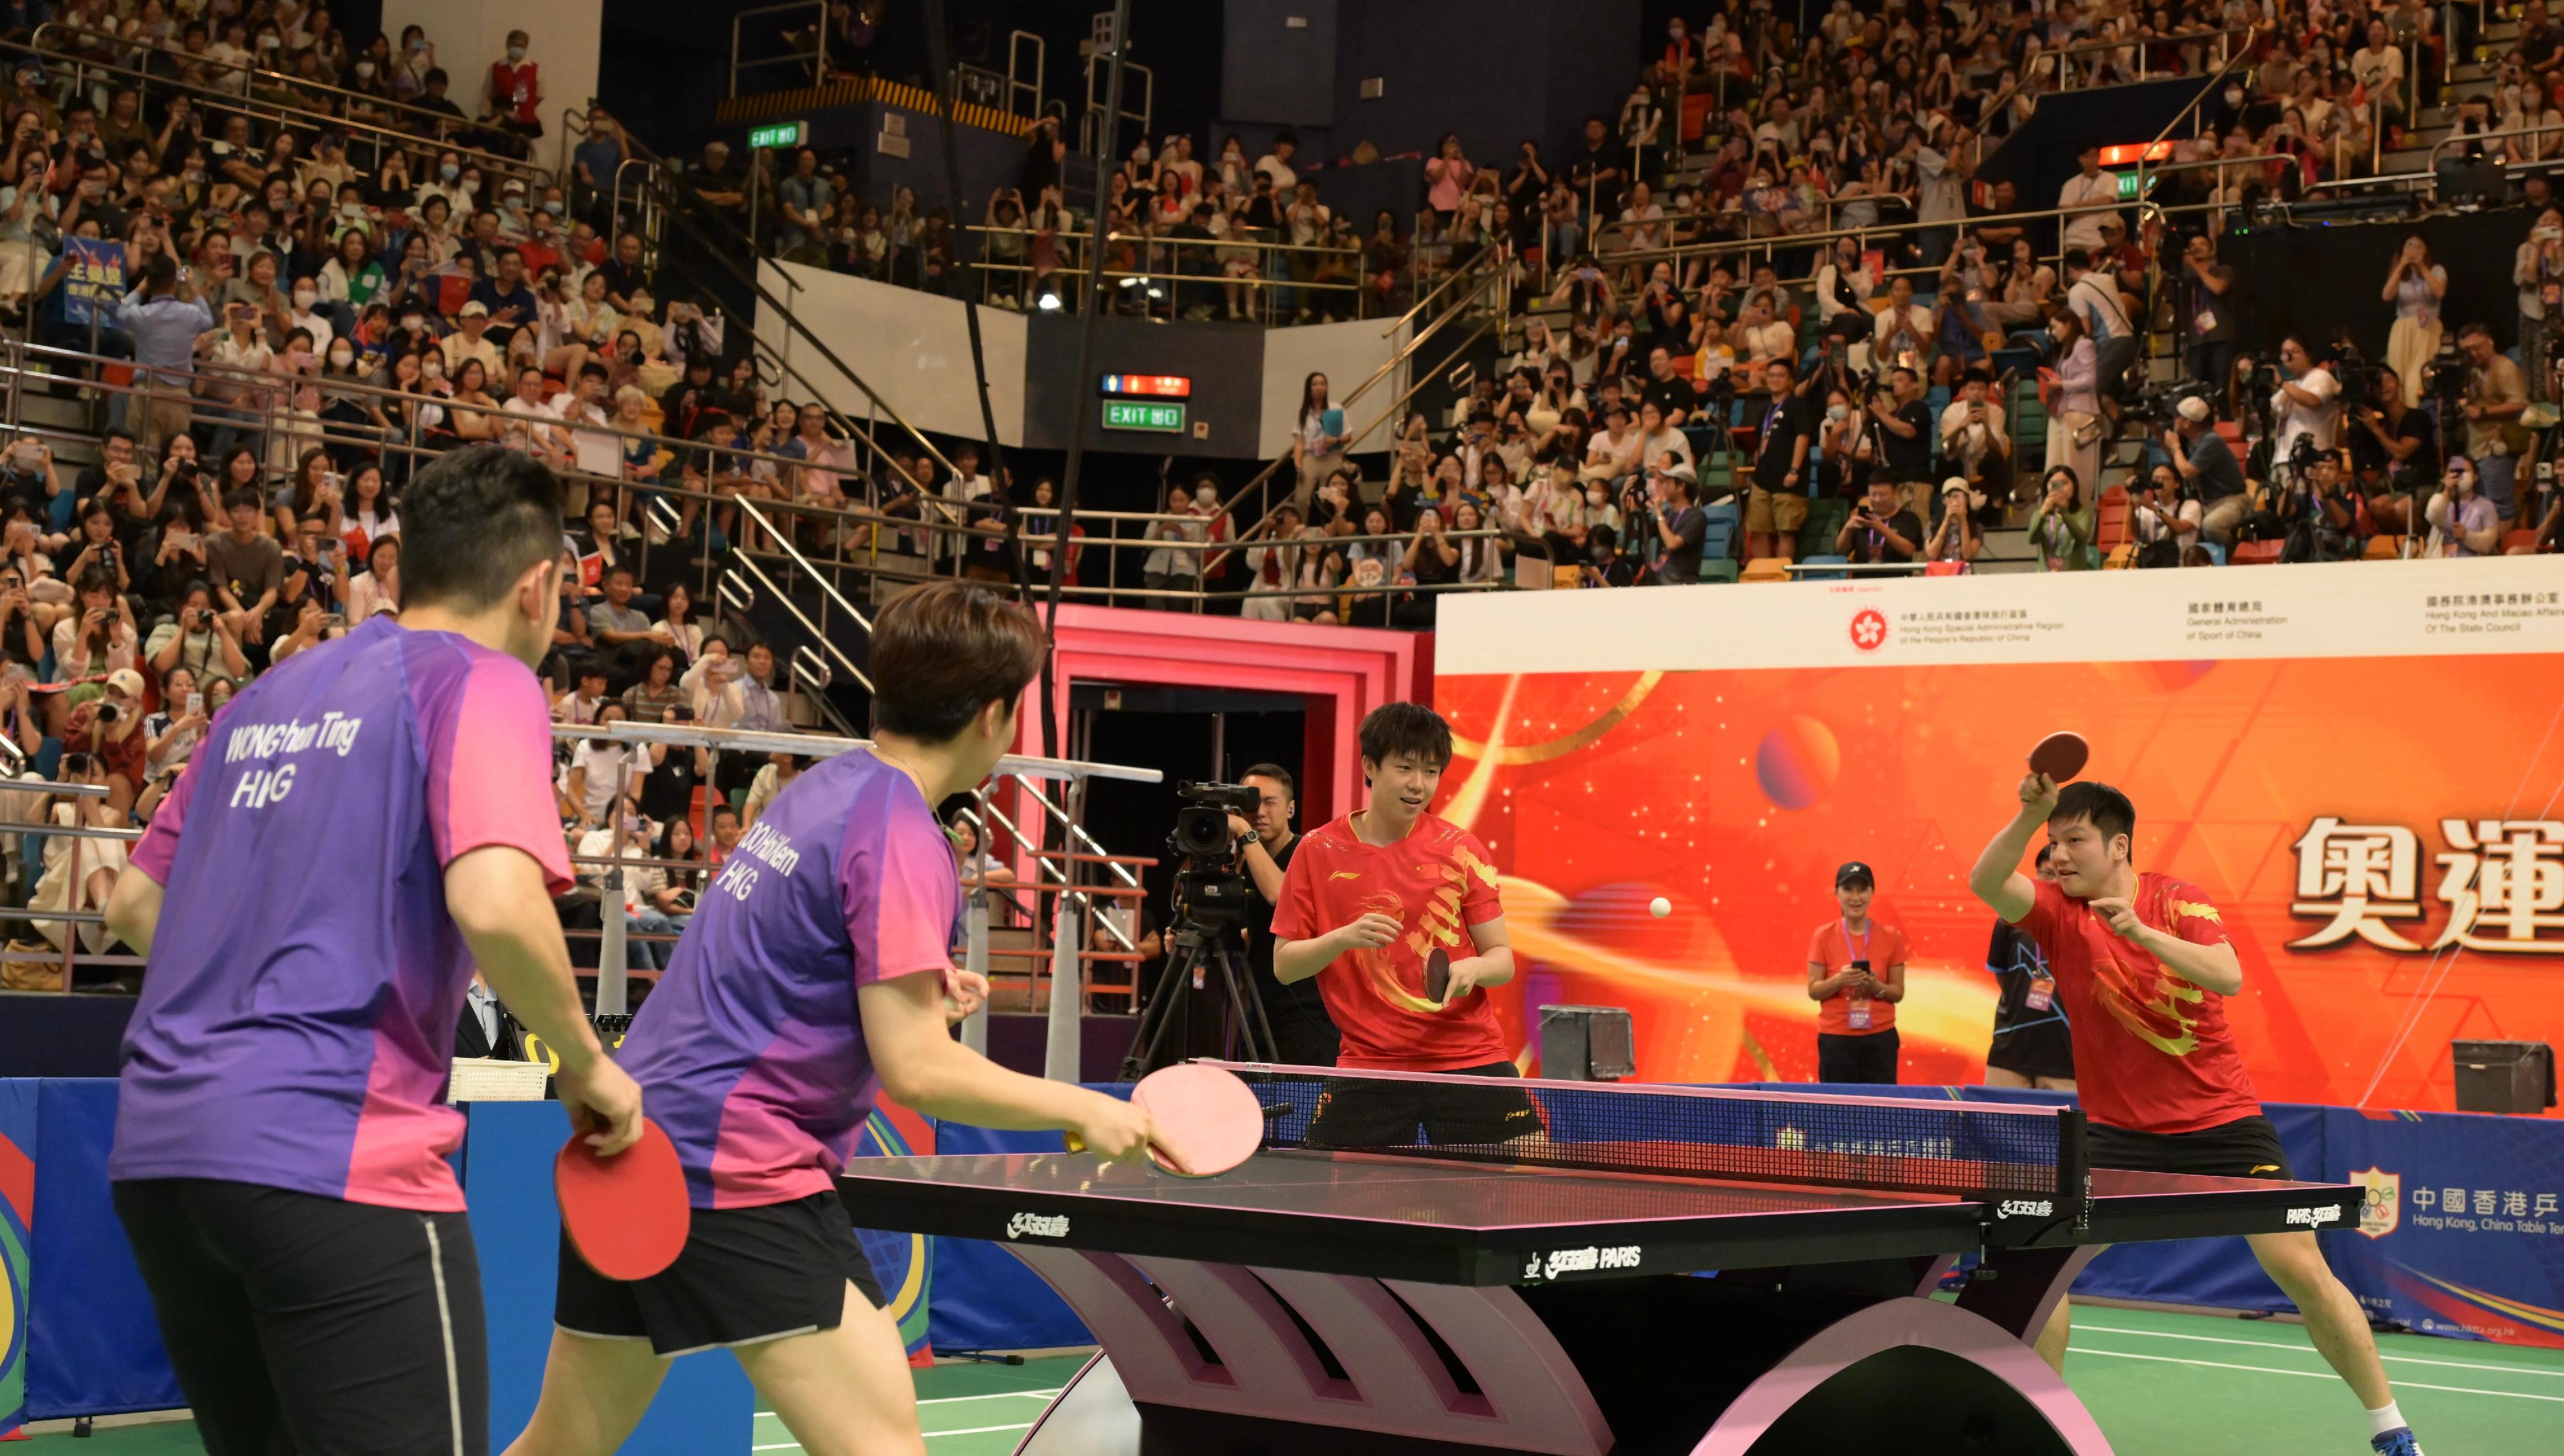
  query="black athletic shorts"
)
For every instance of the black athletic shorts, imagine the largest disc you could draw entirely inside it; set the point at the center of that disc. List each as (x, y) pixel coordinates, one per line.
(1305, 1041)
(311, 1325)
(2248, 1148)
(1356, 1112)
(745, 1275)
(2038, 1049)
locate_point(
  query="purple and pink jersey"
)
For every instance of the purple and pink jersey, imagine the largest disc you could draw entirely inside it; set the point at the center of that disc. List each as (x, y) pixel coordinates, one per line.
(750, 1051)
(297, 1025)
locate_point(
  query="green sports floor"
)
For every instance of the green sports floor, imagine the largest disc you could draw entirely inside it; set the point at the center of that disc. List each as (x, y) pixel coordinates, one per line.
(2160, 1383)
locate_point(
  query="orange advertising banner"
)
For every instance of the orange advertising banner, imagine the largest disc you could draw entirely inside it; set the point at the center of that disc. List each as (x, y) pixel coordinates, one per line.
(2383, 834)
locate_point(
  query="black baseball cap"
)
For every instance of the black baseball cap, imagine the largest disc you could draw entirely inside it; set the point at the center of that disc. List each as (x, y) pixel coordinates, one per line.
(1853, 872)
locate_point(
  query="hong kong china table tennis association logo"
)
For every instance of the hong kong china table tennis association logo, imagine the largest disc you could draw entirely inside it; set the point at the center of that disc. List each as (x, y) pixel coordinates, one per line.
(1869, 629)
(2384, 1210)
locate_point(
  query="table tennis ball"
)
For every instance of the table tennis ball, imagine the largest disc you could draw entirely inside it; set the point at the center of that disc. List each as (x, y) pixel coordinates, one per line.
(1661, 907)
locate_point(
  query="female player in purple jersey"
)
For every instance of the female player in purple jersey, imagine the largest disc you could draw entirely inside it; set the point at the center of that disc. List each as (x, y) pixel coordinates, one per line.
(812, 976)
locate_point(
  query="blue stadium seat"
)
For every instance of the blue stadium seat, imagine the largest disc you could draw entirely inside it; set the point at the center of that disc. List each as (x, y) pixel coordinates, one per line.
(1827, 560)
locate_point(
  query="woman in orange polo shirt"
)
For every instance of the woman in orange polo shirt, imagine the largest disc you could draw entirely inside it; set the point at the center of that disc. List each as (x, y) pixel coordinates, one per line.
(1857, 975)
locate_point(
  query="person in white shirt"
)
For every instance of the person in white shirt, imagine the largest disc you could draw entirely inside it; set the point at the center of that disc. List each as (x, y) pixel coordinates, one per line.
(593, 451)
(1612, 452)
(2092, 296)
(2380, 69)
(534, 425)
(1277, 163)
(1643, 228)
(1761, 336)
(1656, 439)
(1901, 335)
(1973, 437)
(2087, 186)
(597, 772)
(2308, 404)
(1844, 287)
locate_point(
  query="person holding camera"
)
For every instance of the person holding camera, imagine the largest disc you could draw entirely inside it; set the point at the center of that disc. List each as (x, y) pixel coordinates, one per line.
(1879, 531)
(2321, 519)
(2203, 460)
(1857, 975)
(2306, 405)
(1956, 539)
(1681, 527)
(2208, 321)
(1974, 443)
(2463, 520)
(1302, 1034)
(2538, 273)
(2162, 518)
(2415, 285)
(1894, 404)
(2496, 394)
(2395, 452)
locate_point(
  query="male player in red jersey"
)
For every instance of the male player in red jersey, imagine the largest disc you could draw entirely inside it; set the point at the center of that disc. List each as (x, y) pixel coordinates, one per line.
(2143, 966)
(1367, 900)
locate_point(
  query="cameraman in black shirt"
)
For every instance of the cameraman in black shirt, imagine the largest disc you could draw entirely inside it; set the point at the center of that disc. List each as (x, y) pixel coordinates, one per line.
(2396, 452)
(1302, 1034)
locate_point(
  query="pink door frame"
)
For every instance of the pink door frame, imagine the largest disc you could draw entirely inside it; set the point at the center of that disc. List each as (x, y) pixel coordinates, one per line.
(1340, 672)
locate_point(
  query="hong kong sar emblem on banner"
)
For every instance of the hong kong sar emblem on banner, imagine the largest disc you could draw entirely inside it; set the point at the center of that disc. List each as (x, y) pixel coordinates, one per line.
(2384, 1206)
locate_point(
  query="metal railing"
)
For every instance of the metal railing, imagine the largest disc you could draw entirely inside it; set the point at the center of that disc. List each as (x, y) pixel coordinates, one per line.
(261, 102)
(1054, 869)
(1164, 275)
(816, 57)
(70, 920)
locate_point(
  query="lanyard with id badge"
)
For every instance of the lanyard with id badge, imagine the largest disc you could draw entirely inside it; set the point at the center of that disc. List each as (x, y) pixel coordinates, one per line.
(1858, 1011)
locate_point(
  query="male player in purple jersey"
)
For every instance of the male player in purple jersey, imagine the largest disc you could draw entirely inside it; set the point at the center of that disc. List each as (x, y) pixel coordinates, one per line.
(813, 973)
(364, 825)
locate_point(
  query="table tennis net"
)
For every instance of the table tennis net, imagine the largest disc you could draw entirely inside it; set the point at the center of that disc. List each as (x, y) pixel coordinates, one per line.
(1955, 1149)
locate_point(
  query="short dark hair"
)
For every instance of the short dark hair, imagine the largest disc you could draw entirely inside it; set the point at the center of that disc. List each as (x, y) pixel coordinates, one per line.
(1412, 728)
(473, 521)
(2077, 259)
(724, 808)
(1277, 773)
(245, 495)
(2107, 810)
(942, 652)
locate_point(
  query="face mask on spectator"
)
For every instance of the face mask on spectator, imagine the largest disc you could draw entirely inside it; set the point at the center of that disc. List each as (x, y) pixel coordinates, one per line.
(365, 71)
(304, 297)
(341, 358)
(553, 206)
(516, 54)
(449, 171)
(431, 369)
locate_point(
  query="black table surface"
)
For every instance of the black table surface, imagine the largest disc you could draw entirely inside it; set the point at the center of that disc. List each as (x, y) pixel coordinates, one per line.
(1411, 1217)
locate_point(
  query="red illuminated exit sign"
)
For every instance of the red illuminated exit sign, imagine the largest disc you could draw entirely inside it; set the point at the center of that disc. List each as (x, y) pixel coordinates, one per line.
(2135, 152)
(1153, 387)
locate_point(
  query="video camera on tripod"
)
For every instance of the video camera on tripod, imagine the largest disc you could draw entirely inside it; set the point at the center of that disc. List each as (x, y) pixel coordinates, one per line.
(1209, 907)
(1210, 873)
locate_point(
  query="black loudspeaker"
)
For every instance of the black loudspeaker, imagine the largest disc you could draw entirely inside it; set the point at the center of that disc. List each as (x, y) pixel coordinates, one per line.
(1587, 1044)
(2505, 1076)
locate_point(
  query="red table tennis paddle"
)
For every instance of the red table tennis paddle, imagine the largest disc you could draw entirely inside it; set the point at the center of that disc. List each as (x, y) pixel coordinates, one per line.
(626, 1214)
(1437, 976)
(1202, 1121)
(2060, 757)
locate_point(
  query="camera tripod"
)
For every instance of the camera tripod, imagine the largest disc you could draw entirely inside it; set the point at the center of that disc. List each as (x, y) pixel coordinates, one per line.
(1197, 953)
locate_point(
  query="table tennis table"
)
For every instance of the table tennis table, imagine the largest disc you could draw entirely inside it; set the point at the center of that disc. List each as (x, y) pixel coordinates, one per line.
(1619, 1271)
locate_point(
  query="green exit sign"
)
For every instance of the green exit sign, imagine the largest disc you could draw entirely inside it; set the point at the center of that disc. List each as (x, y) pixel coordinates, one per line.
(1142, 414)
(781, 134)
(2128, 182)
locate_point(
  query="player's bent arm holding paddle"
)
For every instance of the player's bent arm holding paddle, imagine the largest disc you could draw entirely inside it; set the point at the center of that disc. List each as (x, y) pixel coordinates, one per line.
(813, 972)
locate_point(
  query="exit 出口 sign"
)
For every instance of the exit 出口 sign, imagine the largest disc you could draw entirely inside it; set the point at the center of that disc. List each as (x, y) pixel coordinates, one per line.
(781, 134)
(1140, 414)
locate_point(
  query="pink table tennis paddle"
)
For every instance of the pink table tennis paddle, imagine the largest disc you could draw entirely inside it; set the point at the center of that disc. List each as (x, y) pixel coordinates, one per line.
(626, 1214)
(2060, 757)
(1202, 1121)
